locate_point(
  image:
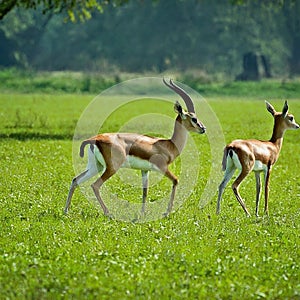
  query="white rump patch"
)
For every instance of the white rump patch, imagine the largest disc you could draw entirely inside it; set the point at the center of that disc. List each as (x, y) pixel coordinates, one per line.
(258, 165)
(235, 160)
(96, 160)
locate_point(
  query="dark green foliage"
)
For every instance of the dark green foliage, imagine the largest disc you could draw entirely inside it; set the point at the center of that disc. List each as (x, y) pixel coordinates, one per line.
(211, 36)
(81, 10)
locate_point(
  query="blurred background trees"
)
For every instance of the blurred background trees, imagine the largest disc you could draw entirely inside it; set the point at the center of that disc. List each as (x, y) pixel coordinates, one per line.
(208, 37)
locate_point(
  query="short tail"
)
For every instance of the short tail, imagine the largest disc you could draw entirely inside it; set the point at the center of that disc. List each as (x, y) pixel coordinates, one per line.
(83, 144)
(227, 150)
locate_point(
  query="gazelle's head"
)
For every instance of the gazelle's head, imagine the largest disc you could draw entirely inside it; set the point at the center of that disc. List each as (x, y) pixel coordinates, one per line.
(283, 119)
(188, 119)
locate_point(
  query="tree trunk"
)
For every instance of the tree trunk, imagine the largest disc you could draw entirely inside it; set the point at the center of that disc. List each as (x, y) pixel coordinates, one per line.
(250, 67)
(266, 66)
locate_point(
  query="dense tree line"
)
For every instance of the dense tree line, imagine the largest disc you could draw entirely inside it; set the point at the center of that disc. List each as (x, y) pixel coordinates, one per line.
(138, 36)
(75, 9)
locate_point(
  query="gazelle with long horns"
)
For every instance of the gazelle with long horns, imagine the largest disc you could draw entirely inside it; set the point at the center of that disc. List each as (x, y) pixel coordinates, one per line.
(108, 152)
(255, 155)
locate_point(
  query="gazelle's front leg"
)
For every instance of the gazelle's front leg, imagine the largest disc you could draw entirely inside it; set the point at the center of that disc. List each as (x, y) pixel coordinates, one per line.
(174, 179)
(145, 181)
(258, 188)
(267, 180)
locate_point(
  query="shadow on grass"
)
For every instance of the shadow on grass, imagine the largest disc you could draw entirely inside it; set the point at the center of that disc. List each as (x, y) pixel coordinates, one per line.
(23, 136)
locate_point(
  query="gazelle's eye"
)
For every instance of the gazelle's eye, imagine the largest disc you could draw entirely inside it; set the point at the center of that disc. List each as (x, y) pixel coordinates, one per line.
(291, 118)
(194, 120)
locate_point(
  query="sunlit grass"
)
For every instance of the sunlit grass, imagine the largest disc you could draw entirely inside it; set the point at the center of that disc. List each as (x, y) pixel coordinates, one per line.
(191, 254)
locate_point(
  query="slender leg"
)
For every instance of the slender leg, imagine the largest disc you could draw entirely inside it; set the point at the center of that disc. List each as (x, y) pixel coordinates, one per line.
(145, 180)
(98, 183)
(93, 168)
(73, 186)
(174, 179)
(84, 176)
(113, 157)
(235, 187)
(162, 164)
(258, 188)
(227, 176)
(267, 180)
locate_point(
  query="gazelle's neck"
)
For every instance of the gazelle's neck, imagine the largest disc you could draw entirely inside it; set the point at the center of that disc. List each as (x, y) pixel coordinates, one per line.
(277, 136)
(179, 136)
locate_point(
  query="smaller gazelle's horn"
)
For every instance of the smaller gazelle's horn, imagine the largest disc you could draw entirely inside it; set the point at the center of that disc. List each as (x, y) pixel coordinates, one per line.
(186, 98)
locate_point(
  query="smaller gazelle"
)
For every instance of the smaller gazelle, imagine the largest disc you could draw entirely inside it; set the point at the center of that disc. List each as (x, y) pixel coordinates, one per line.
(255, 155)
(108, 152)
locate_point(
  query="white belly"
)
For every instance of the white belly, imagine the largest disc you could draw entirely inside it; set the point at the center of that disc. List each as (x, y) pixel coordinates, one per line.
(97, 162)
(259, 166)
(133, 162)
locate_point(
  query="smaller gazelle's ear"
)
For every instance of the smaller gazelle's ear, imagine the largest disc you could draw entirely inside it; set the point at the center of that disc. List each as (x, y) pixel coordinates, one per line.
(285, 109)
(270, 108)
(179, 110)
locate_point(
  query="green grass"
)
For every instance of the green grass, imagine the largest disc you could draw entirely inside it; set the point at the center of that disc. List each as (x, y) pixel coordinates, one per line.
(24, 81)
(192, 254)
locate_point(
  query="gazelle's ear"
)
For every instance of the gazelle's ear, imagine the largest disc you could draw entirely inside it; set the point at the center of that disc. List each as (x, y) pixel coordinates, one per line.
(178, 109)
(270, 108)
(285, 109)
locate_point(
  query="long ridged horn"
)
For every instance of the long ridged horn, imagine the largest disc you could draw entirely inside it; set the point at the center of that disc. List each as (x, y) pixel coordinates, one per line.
(186, 98)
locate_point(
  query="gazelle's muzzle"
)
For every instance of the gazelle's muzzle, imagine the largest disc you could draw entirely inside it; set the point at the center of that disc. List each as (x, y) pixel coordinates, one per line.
(202, 129)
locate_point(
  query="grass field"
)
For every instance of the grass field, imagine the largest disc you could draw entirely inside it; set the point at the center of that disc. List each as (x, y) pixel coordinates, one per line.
(192, 254)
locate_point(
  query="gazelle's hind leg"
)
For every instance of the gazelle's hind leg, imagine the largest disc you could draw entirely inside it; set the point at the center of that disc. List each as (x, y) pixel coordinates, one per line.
(113, 163)
(235, 187)
(98, 183)
(93, 168)
(245, 165)
(229, 171)
(227, 176)
(84, 176)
